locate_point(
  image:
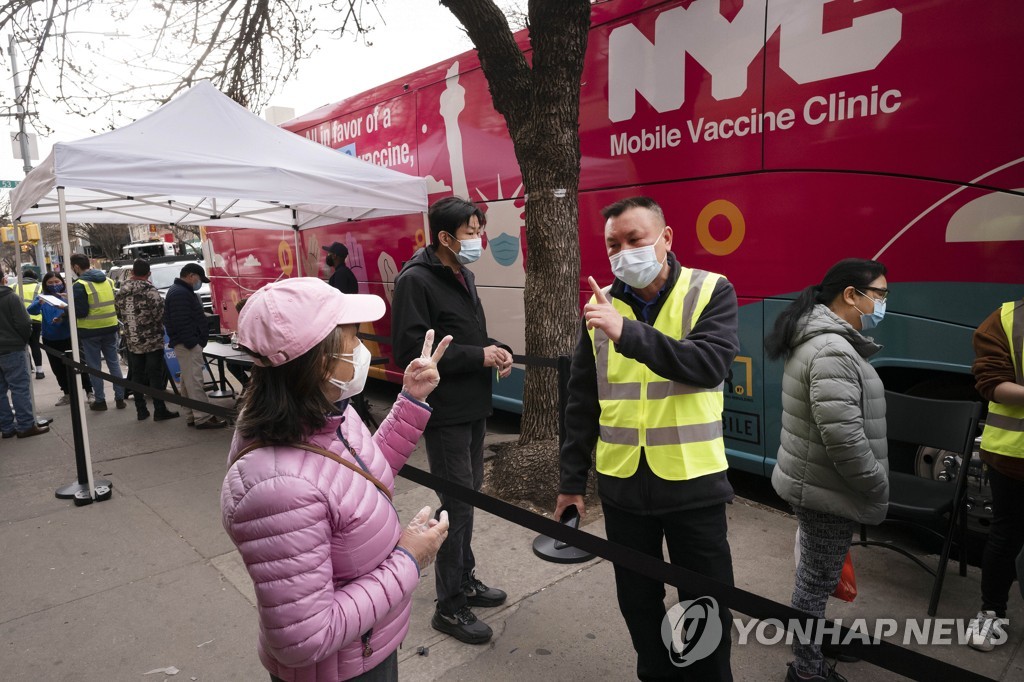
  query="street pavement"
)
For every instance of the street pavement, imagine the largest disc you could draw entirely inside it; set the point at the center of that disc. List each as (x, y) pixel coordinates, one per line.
(147, 587)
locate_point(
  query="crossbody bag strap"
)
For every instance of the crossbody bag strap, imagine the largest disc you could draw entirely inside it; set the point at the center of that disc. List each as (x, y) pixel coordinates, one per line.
(320, 451)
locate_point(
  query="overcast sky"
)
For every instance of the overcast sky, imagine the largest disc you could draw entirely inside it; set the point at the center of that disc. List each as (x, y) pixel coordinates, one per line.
(412, 35)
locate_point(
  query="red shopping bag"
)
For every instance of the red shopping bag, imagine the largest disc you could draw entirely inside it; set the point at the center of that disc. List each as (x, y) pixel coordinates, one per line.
(847, 587)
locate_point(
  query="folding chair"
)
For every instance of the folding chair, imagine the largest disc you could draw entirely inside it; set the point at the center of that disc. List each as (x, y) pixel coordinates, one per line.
(947, 425)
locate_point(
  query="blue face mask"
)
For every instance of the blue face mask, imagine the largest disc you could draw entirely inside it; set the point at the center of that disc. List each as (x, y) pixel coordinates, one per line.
(874, 318)
(470, 250)
(197, 285)
(55, 288)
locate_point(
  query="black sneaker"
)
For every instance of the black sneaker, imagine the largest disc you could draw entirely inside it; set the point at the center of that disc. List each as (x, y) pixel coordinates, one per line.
(121, 404)
(478, 594)
(462, 625)
(99, 406)
(142, 415)
(164, 416)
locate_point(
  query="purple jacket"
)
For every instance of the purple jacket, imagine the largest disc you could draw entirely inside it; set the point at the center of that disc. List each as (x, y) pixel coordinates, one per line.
(319, 543)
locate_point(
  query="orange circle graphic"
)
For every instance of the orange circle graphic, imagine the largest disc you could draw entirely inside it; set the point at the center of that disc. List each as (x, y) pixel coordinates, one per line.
(737, 227)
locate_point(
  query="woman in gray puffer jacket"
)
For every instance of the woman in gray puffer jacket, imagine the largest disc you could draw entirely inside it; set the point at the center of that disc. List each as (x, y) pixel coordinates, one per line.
(832, 464)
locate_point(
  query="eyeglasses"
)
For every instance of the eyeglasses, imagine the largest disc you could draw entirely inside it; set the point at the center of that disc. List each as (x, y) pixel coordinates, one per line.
(884, 293)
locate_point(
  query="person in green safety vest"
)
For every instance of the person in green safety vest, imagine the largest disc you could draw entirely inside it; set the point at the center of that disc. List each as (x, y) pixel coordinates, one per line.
(999, 374)
(29, 289)
(93, 295)
(646, 387)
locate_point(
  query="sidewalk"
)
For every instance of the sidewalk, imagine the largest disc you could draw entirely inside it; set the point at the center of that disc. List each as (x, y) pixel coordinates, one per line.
(149, 580)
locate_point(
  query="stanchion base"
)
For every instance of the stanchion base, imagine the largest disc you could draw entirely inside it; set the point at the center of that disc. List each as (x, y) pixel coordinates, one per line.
(544, 548)
(221, 394)
(68, 492)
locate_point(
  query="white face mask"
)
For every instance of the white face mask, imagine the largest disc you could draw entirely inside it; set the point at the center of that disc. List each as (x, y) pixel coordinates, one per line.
(360, 361)
(470, 250)
(637, 267)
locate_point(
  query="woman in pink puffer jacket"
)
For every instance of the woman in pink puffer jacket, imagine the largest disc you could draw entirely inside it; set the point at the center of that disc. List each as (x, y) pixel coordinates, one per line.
(333, 569)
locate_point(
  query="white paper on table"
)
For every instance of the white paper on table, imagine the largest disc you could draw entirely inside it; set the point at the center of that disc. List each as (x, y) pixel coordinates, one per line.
(53, 300)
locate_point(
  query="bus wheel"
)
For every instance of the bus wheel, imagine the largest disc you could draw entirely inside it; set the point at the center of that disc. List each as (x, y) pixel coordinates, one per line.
(943, 465)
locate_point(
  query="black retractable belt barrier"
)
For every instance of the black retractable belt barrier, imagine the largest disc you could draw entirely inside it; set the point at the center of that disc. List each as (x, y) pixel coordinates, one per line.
(884, 654)
(892, 657)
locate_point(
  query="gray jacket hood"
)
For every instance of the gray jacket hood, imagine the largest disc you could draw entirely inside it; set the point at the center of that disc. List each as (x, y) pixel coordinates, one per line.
(821, 320)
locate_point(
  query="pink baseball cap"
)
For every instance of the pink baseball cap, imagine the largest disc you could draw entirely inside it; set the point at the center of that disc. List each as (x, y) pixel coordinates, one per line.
(284, 319)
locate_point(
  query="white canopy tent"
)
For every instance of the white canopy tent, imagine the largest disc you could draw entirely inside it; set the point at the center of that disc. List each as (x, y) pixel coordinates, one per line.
(202, 159)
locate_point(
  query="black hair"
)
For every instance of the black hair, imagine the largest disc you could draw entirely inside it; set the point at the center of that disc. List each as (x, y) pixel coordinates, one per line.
(80, 260)
(50, 274)
(285, 404)
(140, 268)
(451, 213)
(623, 205)
(849, 272)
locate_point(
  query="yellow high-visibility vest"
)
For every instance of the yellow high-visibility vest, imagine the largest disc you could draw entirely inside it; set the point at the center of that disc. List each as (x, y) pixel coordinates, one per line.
(1004, 427)
(29, 291)
(679, 426)
(101, 305)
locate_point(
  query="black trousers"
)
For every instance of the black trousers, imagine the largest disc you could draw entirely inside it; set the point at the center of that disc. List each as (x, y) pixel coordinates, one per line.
(697, 540)
(1005, 539)
(148, 369)
(33, 344)
(456, 453)
(59, 370)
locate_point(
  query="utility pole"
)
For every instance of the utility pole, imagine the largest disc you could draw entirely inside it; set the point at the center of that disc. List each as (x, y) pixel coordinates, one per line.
(21, 115)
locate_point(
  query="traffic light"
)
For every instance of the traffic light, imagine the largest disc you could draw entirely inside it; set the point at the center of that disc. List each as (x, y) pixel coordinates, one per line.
(28, 233)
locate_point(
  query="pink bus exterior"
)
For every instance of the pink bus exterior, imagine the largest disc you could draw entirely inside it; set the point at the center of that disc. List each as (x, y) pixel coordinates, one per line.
(778, 135)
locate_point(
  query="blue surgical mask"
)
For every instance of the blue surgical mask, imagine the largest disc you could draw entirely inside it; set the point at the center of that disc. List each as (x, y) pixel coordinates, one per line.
(470, 250)
(197, 285)
(55, 288)
(637, 267)
(874, 318)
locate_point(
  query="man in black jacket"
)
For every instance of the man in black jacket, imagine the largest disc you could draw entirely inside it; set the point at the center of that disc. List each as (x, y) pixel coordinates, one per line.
(646, 388)
(188, 332)
(342, 279)
(434, 291)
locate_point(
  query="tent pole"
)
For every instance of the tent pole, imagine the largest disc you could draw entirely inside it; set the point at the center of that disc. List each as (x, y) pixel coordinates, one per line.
(85, 490)
(295, 232)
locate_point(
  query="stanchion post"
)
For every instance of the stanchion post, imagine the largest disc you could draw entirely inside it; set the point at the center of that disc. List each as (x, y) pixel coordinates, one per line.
(69, 491)
(564, 364)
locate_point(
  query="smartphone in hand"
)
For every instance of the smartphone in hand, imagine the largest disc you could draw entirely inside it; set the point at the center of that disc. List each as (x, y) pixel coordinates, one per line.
(571, 518)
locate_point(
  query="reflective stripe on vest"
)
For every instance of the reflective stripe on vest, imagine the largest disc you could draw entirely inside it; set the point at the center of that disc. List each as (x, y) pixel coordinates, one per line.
(28, 292)
(101, 305)
(679, 426)
(1004, 427)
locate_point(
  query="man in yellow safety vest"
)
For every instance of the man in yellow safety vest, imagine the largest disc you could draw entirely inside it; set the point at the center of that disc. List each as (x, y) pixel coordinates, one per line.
(646, 388)
(999, 378)
(29, 289)
(97, 326)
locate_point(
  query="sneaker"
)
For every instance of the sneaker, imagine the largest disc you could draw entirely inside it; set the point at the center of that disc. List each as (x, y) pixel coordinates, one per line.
(984, 630)
(829, 675)
(120, 403)
(142, 415)
(212, 423)
(163, 416)
(478, 594)
(462, 625)
(39, 374)
(90, 397)
(98, 406)
(9, 434)
(64, 400)
(34, 431)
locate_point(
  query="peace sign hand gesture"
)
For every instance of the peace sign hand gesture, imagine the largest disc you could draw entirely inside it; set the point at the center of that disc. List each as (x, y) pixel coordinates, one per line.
(421, 376)
(602, 315)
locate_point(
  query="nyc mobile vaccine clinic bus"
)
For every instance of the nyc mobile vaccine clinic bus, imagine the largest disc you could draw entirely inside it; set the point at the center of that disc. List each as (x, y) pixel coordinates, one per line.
(778, 135)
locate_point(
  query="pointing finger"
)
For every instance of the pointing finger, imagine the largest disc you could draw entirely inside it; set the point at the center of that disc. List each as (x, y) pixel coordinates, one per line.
(598, 294)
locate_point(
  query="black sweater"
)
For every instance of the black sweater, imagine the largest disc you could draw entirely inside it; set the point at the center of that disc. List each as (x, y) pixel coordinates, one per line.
(703, 358)
(428, 295)
(15, 326)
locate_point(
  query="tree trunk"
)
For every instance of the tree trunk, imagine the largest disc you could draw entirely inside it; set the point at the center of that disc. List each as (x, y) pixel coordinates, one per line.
(540, 104)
